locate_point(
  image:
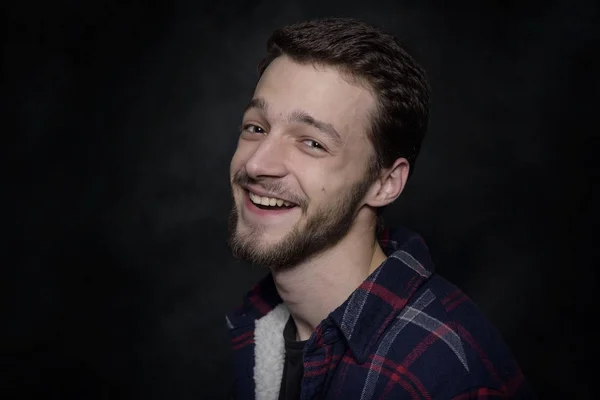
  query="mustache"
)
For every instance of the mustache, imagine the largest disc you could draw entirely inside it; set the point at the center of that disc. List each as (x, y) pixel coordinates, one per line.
(276, 187)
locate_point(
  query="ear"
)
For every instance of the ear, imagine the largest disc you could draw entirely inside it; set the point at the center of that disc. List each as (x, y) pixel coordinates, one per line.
(390, 184)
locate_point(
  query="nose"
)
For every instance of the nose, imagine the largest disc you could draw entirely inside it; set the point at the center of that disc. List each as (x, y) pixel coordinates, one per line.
(268, 159)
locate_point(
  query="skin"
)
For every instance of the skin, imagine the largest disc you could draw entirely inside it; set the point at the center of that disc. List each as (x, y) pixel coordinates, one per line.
(307, 164)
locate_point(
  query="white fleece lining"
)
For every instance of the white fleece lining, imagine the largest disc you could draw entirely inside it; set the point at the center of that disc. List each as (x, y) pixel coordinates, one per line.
(269, 355)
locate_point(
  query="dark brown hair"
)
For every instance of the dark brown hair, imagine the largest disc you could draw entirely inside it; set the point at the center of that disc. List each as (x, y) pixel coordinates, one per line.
(369, 54)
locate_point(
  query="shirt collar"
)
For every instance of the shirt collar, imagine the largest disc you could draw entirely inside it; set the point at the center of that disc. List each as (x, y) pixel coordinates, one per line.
(370, 309)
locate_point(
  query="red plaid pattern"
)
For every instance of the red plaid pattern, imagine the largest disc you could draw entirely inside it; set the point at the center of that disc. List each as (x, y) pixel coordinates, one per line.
(405, 333)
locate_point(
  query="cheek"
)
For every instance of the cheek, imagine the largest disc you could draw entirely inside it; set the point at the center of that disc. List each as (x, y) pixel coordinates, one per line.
(333, 184)
(325, 184)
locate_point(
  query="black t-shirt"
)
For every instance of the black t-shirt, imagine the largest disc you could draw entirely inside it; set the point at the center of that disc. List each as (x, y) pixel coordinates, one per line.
(293, 368)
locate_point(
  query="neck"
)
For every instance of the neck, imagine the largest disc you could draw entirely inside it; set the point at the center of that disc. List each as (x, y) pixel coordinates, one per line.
(313, 289)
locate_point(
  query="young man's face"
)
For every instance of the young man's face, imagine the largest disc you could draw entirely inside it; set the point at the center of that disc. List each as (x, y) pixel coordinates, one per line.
(300, 170)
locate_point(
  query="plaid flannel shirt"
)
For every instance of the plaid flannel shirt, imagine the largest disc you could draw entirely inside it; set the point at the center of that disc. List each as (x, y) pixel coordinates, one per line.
(405, 333)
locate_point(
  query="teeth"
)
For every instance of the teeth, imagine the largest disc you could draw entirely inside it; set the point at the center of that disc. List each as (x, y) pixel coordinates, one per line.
(268, 201)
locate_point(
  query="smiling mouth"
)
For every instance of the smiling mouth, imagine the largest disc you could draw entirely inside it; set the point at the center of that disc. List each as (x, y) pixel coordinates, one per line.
(269, 203)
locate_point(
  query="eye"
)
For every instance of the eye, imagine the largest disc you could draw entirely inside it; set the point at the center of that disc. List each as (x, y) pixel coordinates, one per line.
(313, 144)
(253, 129)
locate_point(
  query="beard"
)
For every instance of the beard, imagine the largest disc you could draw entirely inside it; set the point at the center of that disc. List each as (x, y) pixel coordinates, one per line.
(325, 228)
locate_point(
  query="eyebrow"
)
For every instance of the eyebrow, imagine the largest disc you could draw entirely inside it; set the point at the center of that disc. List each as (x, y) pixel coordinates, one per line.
(299, 116)
(258, 103)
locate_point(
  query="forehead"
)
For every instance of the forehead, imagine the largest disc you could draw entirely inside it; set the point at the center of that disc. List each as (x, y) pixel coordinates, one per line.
(319, 90)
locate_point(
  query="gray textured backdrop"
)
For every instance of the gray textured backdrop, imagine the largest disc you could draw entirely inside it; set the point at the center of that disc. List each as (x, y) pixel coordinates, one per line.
(121, 120)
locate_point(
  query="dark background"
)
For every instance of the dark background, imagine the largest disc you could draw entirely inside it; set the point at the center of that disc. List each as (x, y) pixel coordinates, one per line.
(119, 120)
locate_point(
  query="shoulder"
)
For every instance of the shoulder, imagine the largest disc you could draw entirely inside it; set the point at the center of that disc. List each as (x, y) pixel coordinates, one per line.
(447, 346)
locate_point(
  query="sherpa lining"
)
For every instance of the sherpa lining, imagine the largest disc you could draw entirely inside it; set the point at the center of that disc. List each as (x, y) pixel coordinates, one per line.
(269, 354)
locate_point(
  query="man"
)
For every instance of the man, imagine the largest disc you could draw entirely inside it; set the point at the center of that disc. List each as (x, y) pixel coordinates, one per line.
(348, 311)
